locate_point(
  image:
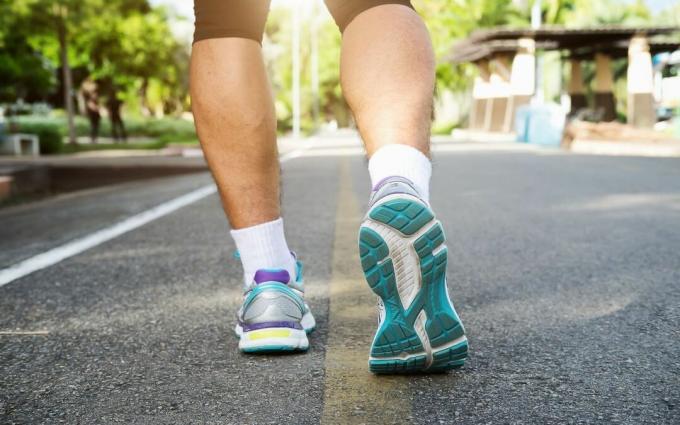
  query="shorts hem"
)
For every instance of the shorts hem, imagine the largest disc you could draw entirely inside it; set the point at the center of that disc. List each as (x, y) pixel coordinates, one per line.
(226, 33)
(349, 15)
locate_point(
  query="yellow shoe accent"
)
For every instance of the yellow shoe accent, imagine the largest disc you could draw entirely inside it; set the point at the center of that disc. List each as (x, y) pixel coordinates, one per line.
(269, 333)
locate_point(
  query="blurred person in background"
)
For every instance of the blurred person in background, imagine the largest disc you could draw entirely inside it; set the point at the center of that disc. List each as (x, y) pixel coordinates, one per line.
(91, 99)
(113, 106)
(388, 76)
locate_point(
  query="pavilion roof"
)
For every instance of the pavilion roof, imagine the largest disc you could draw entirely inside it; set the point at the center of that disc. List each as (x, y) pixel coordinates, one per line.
(579, 41)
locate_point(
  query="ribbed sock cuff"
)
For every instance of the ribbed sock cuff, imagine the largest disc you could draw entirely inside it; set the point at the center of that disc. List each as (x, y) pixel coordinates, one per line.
(263, 246)
(403, 161)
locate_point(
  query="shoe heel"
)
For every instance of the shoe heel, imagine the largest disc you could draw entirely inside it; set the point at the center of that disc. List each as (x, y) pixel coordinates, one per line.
(273, 340)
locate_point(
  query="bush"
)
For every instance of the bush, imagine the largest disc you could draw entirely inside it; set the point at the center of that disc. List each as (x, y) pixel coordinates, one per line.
(444, 128)
(173, 127)
(165, 130)
(51, 139)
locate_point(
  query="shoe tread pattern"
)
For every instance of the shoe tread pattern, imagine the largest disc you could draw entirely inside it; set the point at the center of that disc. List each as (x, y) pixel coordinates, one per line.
(396, 335)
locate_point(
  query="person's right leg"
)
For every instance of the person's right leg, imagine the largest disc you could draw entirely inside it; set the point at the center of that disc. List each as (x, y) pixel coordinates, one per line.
(114, 128)
(388, 76)
(235, 121)
(94, 127)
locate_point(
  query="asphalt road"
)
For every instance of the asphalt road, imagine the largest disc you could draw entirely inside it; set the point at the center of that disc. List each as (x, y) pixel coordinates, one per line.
(564, 268)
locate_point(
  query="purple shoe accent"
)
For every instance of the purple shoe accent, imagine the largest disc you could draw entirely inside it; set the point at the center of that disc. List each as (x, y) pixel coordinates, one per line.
(271, 275)
(265, 325)
(381, 182)
(386, 179)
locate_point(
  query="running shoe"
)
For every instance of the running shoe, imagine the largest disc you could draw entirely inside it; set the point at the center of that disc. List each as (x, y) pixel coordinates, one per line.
(403, 256)
(274, 316)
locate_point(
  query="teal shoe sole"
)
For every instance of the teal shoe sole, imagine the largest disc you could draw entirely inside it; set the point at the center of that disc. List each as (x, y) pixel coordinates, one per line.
(398, 347)
(272, 349)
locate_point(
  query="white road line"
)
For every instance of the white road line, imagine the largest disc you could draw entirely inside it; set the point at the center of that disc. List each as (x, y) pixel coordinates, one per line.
(69, 249)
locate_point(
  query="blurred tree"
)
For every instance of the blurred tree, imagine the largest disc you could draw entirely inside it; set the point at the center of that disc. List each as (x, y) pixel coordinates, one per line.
(23, 72)
(277, 52)
(135, 48)
(450, 20)
(670, 15)
(123, 44)
(613, 12)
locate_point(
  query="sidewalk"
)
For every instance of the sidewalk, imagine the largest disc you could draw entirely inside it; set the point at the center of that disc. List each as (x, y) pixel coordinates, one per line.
(26, 178)
(644, 145)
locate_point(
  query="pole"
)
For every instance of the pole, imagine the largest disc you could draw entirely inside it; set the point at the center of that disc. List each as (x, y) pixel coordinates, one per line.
(61, 14)
(536, 23)
(315, 65)
(296, 70)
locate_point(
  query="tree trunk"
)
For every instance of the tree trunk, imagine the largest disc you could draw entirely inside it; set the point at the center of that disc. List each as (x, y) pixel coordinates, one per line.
(146, 110)
(68, 78)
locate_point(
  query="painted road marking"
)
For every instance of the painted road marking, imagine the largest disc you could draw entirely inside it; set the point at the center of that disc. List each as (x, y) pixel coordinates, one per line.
(69, 249)
(352, 394)
(24, 333)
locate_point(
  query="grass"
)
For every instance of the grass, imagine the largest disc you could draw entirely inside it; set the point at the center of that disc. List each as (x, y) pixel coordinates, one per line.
(69, 148)
(135, 126)
(444, 128)
(163, 131)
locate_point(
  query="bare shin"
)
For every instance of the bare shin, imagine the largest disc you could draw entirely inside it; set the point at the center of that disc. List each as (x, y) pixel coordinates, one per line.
(236, 124)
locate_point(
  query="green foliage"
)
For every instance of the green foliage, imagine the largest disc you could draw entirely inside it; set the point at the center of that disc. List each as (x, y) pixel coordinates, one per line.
(32, 124)
(154, 127)
(23, 72)
(452, 20)
(593, 13)
(129, 44)
(669, 16)
(49, 133)
(51, 140)
(277, 49)
(125, 44)
(155, 144)
(444, 128)
(168, 128)
(448, 21)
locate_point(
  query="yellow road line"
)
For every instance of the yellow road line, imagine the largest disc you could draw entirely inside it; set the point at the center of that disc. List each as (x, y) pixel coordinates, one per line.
(353, 394)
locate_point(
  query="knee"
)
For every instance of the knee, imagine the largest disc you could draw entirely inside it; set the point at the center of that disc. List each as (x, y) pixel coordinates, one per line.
(227, 111)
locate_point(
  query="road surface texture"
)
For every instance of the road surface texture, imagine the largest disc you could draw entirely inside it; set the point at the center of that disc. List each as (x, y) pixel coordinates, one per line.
(565, 269)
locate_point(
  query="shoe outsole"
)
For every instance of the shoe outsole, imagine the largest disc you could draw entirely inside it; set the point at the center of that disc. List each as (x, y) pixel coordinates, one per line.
(397, 346)
(273, 349)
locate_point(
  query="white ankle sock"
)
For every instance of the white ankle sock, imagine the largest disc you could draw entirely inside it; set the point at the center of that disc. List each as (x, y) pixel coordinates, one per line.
(263, 246)
(404, 161)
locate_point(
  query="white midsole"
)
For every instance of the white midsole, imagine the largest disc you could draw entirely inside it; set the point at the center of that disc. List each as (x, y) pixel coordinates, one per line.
(296, 338)
(308, 323)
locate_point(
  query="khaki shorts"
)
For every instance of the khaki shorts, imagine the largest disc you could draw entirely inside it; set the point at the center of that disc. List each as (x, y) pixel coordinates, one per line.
(246, 18)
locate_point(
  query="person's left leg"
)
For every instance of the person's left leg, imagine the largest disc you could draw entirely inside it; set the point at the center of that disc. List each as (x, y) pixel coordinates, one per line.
(121, 128)
(388, 78)
(236, 124)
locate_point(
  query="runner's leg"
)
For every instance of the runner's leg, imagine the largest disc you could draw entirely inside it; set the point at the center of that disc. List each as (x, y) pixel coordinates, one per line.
(234, 114)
